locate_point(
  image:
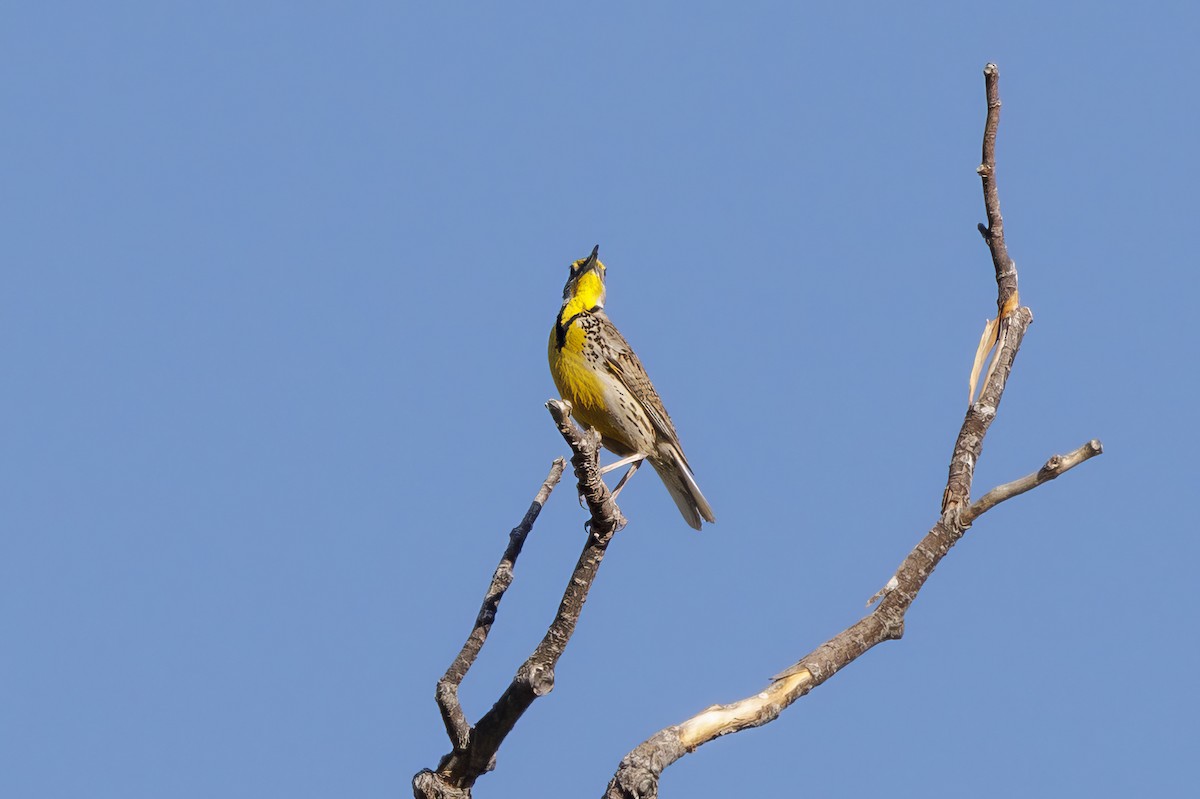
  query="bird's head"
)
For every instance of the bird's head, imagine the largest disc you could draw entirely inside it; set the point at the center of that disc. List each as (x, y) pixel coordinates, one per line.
(585, 285)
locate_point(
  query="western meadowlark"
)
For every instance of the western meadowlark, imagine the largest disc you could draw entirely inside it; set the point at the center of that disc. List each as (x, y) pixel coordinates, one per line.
(596, 371)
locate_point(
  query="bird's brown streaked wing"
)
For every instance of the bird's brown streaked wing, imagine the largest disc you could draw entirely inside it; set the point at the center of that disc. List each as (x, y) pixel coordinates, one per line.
(623, 363)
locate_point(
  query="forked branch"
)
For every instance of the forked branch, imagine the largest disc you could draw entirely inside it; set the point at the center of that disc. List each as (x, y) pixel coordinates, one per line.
(453, 717)
(639, 772)
(474, 748)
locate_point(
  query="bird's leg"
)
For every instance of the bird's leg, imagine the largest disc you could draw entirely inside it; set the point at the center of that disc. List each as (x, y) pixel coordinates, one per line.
(637, 456)
(627, 475)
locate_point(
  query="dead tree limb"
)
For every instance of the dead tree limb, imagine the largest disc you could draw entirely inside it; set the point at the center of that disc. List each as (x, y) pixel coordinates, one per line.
(453, 717)
(1052, 469)
(474, 748)
(639, 772)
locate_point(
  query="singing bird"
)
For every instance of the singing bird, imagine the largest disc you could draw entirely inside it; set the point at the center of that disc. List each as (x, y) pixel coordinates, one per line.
(596, 370)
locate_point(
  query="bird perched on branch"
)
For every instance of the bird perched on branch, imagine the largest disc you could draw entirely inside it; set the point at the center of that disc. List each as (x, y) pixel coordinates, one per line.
(596, 370)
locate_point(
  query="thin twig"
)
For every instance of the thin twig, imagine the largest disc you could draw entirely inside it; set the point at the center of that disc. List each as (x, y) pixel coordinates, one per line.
(993, 233)
(1057, 465)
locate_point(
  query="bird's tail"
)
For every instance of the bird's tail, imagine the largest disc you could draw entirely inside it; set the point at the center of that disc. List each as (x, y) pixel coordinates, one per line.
(677, 477)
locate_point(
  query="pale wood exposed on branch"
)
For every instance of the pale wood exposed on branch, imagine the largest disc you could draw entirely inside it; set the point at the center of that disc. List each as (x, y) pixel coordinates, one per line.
(639, 772)
(980, 414)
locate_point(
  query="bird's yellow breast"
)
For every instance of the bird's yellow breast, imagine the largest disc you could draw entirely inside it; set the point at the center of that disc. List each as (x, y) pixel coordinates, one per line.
(576, 379)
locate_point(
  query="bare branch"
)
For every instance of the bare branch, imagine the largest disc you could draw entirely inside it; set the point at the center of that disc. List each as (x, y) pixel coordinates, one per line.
(969, 445)
(993, 233)
(1052, 469)
(474, 749)
(586, 460)
(1011, 320)
(638, 774)
(455, 720)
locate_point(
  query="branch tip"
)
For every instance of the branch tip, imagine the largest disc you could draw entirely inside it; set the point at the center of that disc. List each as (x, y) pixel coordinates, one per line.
(1056, 465)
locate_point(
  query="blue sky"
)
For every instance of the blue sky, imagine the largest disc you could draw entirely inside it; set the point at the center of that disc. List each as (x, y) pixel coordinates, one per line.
(277, 284)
